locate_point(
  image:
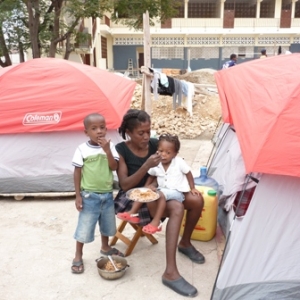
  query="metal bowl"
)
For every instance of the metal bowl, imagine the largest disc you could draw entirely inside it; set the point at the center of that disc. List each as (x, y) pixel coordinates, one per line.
(110, 275)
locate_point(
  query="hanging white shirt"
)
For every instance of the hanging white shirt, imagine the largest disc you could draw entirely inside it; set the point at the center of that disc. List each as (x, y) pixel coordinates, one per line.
(175, 176)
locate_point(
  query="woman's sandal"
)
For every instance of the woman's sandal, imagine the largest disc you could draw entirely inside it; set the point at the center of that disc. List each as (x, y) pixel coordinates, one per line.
(150, 229)
(125, 216)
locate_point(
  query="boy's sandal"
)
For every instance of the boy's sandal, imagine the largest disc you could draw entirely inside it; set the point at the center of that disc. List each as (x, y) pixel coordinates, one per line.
(150, 229)
(77, 267)
(112, 251)
(125, 216)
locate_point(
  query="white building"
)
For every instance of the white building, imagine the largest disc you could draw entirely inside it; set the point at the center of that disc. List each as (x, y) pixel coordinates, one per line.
(203, 35)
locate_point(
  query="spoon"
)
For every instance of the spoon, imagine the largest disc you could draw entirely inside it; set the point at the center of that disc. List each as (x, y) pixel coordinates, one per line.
(111, 260)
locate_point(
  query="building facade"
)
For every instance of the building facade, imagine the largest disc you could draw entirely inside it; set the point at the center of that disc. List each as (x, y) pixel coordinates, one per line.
(203, 35)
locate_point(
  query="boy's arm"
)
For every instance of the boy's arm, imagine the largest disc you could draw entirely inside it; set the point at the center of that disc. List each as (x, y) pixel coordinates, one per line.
(190, 179)
(77, 181)
(113, 164)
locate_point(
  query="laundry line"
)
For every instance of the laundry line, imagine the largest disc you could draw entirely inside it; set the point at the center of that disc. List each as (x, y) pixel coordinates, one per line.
(182, 91)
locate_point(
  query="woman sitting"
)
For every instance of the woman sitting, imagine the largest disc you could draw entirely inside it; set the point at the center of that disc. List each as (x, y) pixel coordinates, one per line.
(137, 156)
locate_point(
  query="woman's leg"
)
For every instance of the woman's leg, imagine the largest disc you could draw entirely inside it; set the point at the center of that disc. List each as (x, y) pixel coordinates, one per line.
(193, 205)
(175, 213)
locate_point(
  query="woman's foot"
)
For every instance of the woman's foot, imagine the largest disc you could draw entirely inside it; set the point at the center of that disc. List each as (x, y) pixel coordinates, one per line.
(181, 286)
(192, 253)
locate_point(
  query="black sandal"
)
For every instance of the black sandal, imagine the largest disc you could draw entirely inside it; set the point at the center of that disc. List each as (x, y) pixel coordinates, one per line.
(193, 254)
(112, 251)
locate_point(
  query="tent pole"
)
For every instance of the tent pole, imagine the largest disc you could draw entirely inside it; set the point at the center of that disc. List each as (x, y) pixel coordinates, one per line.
(212, 150)
(146, 94)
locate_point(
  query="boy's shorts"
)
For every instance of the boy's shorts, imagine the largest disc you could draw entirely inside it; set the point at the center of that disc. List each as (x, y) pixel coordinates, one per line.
(96, 207)
(172, 194)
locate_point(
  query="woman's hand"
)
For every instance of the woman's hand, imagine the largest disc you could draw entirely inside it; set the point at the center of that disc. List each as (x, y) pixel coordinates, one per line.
(153, 160)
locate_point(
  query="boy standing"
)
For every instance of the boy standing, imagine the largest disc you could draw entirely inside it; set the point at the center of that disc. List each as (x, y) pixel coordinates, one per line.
(230, 63)
(94, 162)
(263, 53)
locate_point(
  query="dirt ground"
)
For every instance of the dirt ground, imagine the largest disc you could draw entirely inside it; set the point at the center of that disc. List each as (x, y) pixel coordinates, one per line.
(37, 248)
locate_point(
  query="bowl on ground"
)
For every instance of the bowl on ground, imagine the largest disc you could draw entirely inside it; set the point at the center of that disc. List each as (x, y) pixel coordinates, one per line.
(110, 275)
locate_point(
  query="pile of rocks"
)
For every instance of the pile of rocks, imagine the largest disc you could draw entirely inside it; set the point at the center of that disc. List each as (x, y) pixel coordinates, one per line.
(206, 108)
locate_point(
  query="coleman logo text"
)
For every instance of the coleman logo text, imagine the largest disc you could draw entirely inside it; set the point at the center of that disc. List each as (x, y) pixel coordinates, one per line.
(42, 118)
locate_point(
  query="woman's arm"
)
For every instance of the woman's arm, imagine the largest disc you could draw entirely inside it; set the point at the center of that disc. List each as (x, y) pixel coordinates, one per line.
(128, 182)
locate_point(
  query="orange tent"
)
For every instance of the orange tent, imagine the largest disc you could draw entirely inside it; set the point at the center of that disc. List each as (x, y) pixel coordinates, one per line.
(261, 99)
(49, 94)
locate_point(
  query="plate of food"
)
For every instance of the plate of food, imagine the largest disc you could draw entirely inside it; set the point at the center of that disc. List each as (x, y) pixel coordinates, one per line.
(142, 194)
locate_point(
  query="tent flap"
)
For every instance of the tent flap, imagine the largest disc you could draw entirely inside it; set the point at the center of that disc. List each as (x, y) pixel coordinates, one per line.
(261, 98)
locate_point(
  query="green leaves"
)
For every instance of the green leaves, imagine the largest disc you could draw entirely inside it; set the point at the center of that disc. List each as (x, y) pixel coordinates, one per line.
(130, 12)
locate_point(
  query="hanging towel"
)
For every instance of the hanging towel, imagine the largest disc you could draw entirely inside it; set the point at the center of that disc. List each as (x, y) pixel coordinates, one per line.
(177, 96)
(185, 87)
(187, 102)
(154, 85)
(164, 80)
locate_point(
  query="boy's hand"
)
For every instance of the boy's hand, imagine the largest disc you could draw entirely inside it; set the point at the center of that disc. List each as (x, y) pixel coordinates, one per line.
(78, 203)
(195, 192)
(105, 144)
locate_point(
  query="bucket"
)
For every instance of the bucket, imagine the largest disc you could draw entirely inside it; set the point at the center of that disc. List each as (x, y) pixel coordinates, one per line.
(206, 226)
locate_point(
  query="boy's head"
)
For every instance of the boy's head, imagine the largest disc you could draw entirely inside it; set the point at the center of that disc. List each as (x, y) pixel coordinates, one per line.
(168, 147)
(95, 127)
(263, 51)
(233, 57)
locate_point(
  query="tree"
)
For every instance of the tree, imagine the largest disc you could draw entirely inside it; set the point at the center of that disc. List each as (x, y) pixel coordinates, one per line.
(130, 12)
(42, 24)
(60, 19)
(12, 31)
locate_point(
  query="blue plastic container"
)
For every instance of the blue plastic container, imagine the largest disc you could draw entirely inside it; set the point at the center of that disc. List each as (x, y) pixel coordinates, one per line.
(204, 180)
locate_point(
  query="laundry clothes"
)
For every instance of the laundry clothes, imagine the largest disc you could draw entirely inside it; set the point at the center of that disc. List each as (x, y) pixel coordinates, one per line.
(161, 84)
(166, 91)
(187, 102)
(178, 93)
(185, 87)
(154, 85)
(164, 80)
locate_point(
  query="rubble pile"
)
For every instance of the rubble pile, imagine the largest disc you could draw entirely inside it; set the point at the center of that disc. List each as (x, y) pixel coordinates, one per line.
(206, 108)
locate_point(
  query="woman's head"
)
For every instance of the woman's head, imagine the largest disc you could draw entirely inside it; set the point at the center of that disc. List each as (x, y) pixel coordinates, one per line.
(135, 122)
(168, 147)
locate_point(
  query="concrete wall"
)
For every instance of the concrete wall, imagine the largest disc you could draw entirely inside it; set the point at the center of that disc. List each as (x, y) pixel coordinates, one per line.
(168, 63)
(196, 64)
(295, 48)
(121, 55)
